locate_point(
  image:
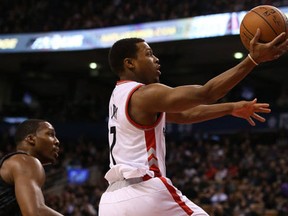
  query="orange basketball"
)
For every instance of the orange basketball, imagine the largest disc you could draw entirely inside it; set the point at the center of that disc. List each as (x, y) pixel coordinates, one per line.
(269, 19)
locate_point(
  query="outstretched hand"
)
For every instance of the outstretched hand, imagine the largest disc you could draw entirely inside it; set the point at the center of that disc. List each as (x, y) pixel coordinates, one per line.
(248, 110)
(262, 52)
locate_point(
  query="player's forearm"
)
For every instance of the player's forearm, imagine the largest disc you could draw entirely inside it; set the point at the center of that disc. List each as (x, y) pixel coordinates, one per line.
(200, 113)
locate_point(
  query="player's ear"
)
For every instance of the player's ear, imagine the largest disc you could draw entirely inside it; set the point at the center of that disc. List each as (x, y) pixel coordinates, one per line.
(30, 139)
(128, 62)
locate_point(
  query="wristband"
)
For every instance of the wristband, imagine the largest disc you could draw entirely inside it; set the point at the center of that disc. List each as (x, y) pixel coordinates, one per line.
(250, 57)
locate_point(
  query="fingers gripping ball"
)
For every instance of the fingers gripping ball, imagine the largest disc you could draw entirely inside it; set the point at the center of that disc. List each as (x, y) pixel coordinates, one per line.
(269, 19)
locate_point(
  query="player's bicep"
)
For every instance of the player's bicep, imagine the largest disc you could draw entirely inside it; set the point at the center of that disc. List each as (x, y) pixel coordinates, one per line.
(162, 98)
(28, 180)
(29, 196)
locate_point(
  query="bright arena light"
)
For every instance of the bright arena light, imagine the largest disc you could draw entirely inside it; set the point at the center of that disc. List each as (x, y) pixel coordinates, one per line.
(238, 55)
(93, 65)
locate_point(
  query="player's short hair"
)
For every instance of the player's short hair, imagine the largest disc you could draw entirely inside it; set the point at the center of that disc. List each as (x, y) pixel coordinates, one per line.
(29, 126)
(121, 49)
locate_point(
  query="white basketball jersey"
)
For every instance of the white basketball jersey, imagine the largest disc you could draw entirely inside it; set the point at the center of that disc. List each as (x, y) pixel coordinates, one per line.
(135, 150)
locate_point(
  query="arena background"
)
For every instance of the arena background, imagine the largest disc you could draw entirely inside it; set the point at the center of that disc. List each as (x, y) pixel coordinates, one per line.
(60, 87)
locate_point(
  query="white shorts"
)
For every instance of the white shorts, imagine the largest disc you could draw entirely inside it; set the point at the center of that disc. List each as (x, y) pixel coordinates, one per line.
(154, 197)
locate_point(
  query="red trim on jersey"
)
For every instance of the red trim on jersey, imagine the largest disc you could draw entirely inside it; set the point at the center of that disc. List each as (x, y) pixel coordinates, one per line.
(152, 156)
(156, 170)
(151, 143)
(150, 139)
(142, 127)
(176, 197)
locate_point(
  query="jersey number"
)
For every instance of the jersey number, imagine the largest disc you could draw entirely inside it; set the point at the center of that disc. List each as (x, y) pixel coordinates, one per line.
(113, 131)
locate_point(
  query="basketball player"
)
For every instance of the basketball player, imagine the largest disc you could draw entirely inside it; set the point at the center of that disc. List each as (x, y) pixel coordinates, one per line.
(139, 108)
(22, 174)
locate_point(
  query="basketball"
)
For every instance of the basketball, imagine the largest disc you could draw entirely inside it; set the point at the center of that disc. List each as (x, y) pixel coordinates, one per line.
(269, 19)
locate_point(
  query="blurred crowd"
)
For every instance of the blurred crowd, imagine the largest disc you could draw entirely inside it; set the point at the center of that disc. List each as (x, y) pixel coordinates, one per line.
(18, 16)
(237, 175)
(241, 174)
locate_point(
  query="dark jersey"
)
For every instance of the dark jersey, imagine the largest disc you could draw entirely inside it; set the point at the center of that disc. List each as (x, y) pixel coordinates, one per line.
(8, 202)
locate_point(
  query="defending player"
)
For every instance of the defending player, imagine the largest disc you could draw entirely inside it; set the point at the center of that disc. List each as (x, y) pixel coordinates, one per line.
(22, 174)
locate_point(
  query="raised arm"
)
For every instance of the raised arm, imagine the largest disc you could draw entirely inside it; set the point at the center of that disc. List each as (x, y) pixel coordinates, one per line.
(155, 98)
(242, 109)
(259, 53)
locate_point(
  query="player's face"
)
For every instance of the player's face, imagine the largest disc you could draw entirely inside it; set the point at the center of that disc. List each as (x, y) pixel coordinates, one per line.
(147, 67)
(46, 144)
